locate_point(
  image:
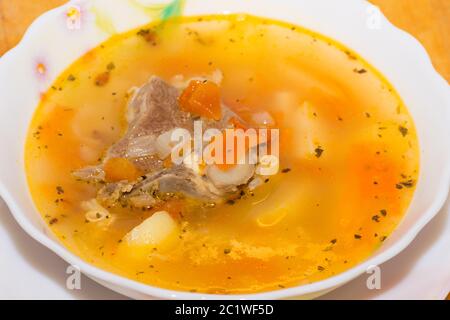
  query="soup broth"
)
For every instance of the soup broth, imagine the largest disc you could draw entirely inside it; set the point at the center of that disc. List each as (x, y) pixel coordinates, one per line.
(349, 156)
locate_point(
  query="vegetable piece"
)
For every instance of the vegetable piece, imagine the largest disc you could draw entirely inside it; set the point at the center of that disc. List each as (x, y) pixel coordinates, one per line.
(143, 201)
(95, 212)
(121, 169)
(255, 183)
(201, 98)
(268, 165)
(237, 175)
(310, 130)
(154, 231)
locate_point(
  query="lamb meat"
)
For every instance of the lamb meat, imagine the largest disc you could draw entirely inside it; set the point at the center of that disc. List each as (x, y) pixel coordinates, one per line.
(152, 112)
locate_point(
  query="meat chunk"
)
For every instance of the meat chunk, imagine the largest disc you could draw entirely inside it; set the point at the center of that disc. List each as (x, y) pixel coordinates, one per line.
(152, 113)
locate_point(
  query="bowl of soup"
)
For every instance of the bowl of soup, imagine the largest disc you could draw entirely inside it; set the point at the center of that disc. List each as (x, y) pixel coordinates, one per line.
(222, 149)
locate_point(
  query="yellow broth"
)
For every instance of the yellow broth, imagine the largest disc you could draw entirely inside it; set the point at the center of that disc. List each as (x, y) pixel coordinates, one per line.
(345, 135)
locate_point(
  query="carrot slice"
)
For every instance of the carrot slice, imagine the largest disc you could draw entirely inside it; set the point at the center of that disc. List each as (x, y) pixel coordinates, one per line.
(201, 98)
(120, 169)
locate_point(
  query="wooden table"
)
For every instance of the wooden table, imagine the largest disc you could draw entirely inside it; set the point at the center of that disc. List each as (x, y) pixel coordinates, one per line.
(427, 20)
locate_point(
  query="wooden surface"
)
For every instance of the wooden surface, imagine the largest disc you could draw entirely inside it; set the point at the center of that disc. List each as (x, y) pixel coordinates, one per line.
(427, 20)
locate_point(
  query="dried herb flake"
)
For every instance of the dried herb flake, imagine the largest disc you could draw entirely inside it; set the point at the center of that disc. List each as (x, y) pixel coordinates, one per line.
(319, 151)
(59, 190)
(360, 71)
(403, 130)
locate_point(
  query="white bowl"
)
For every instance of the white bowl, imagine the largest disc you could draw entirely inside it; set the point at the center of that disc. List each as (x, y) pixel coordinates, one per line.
(357, 24)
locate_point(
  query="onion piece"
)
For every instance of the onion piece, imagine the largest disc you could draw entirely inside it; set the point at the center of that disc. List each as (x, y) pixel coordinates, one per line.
(269, 165)
(95, 212)
(142, 201)
(255, 183)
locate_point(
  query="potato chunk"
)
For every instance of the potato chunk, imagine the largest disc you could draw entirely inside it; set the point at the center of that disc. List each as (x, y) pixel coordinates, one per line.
(156, 231)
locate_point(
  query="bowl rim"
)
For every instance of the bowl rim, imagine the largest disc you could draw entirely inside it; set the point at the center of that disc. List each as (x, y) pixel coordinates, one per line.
(330, 283)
